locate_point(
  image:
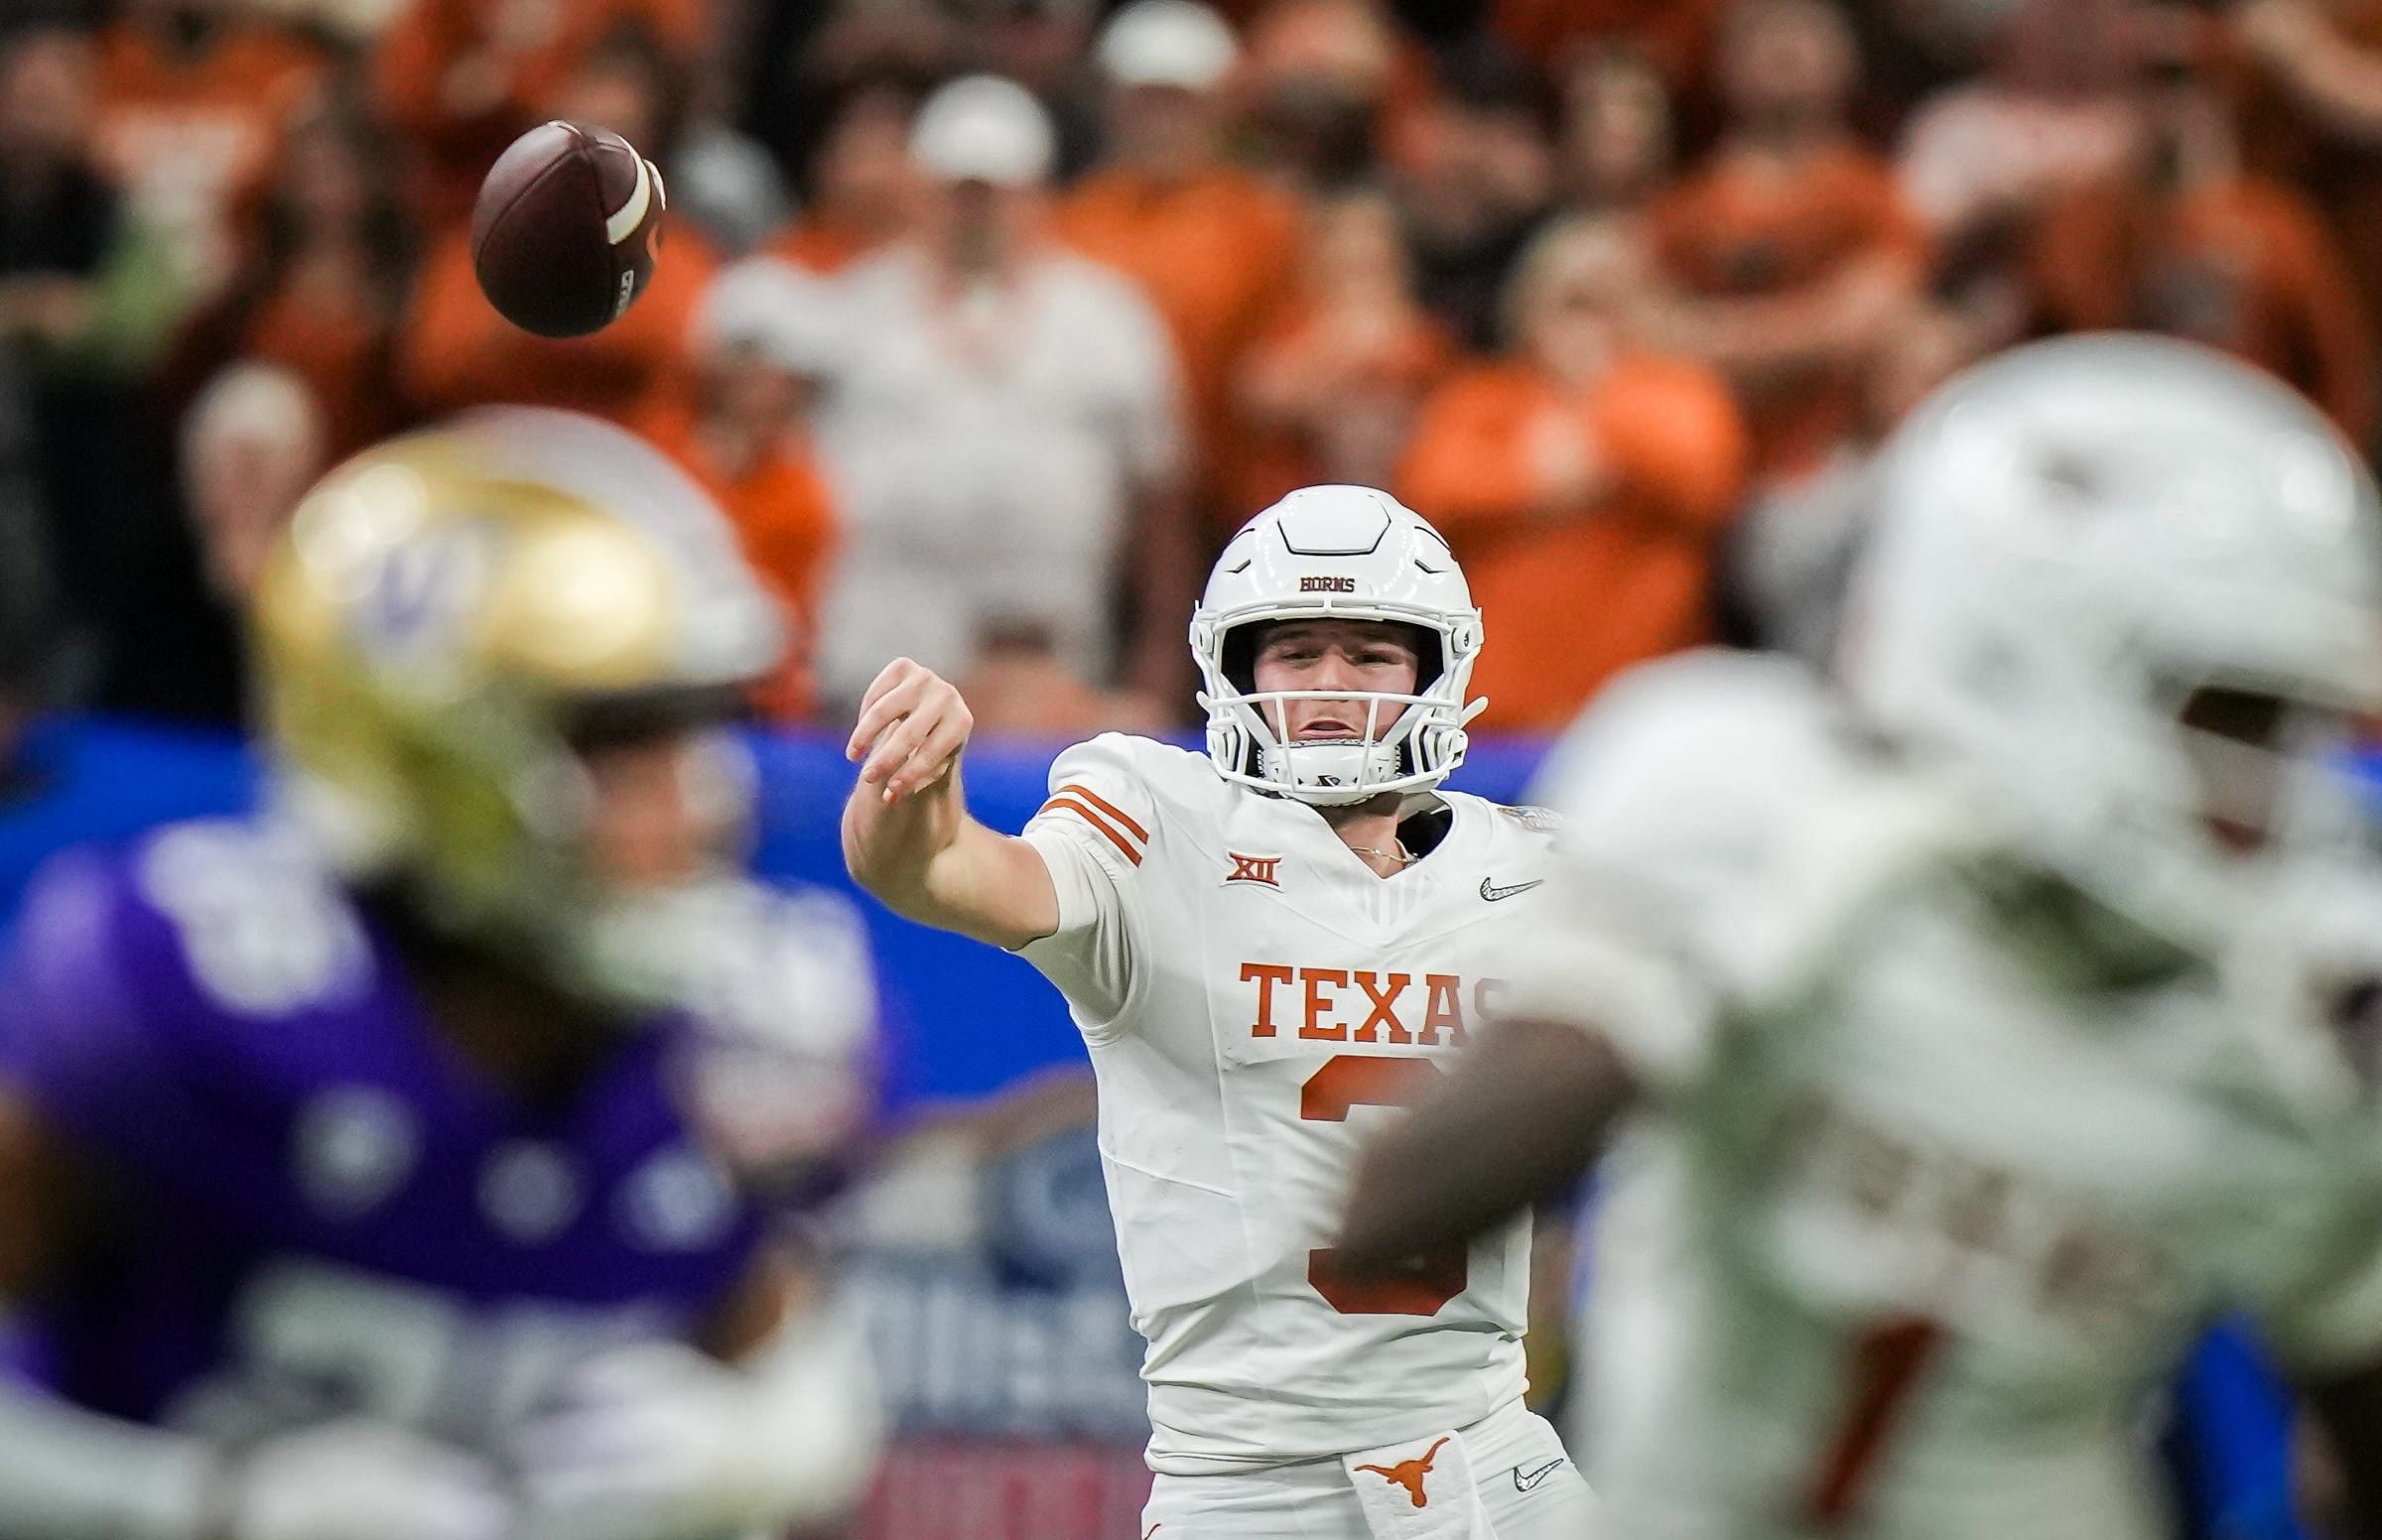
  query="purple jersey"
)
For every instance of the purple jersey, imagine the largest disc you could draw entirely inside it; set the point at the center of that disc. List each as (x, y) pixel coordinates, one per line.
(313, 1206)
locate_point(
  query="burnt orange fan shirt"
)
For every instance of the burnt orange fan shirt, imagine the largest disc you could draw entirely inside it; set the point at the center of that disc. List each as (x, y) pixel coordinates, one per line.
(1735, 232)
(454, 350)
(192, 140)
(1567, 603)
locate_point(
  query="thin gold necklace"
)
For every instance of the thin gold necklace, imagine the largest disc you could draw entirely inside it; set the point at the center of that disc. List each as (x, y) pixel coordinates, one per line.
(1398, 855)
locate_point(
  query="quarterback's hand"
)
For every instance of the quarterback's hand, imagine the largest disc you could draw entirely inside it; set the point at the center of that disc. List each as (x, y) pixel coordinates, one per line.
(911, 730)
(657, 1441)
(362, 1479)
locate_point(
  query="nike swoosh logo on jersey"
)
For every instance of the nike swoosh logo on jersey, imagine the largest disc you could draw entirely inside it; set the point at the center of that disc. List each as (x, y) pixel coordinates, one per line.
(1491, 892)
(1529, 1479)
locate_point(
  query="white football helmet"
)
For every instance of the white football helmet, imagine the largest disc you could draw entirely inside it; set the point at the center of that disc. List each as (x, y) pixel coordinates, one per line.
(2082, 543)
(1347, 552)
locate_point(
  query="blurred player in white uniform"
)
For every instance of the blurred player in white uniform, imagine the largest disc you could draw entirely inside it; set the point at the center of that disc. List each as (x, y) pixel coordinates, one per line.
(1268, 947)
(1981, 1020)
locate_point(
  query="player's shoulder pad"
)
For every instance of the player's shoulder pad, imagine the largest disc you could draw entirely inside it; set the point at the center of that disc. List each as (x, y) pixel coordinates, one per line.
(1703, 749)
(1127, 789)
(1516, 829)
(1726, 795)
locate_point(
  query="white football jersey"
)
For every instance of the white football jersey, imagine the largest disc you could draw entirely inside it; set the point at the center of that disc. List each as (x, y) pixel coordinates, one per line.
(1944, 1168)
(1255, 999)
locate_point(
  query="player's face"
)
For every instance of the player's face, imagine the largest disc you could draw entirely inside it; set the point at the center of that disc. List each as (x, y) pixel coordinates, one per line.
(658, 810)
(1361, 657)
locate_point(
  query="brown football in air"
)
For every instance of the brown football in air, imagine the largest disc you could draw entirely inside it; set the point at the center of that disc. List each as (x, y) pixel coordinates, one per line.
(566, 229)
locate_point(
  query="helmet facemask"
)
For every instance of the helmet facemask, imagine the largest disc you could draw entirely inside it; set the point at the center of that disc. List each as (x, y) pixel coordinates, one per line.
(1405, 742)
(1337, 553)
(2267, 766)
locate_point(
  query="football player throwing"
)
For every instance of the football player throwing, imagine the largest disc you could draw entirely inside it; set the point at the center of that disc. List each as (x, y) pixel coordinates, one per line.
(1268, 947)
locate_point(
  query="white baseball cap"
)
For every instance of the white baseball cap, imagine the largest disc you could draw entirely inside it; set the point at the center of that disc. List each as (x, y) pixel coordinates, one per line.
(982, 128)
(1178, 43)
(777, 309)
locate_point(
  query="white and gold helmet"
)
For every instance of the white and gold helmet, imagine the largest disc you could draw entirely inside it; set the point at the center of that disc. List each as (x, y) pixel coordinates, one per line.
(448, 614)
(1344, 552)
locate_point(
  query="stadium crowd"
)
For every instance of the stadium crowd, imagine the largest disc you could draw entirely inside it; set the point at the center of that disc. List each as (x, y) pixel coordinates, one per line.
(988, 319)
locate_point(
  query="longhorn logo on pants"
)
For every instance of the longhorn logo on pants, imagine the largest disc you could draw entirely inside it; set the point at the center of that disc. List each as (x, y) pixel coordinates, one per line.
(1409, 1473)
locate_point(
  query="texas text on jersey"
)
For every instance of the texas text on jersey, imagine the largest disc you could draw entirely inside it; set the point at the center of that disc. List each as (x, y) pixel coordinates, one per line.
(1251, 993)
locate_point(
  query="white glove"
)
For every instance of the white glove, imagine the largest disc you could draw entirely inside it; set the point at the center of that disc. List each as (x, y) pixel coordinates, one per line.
(362, 1480)
(658, 1442)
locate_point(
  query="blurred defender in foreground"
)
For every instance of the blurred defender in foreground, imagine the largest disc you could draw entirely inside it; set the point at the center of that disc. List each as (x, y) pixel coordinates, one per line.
(1985, 1018)
(357, 1175)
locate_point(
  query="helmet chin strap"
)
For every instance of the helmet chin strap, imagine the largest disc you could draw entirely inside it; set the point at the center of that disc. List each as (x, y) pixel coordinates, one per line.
(1331, 773)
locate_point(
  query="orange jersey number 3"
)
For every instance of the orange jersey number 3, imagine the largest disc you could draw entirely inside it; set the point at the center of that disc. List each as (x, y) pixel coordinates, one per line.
(1417, 1286)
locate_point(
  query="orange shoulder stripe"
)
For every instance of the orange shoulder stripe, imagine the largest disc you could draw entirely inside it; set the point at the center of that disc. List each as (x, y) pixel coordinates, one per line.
(1108, 806)
(1066, 804)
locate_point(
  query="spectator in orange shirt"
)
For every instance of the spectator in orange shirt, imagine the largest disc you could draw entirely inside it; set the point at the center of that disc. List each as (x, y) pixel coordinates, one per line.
(763, 336)
(2190, 244)
(325, 280)
(863, 191)
(1582, 481)
(1330, 392)
(454, 350)
(193, 103)
(1789, 252)
(460, 79)
(1212, 246)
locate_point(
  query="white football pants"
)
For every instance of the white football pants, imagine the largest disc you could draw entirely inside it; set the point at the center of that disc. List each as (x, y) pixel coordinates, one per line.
(1528, 1488)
